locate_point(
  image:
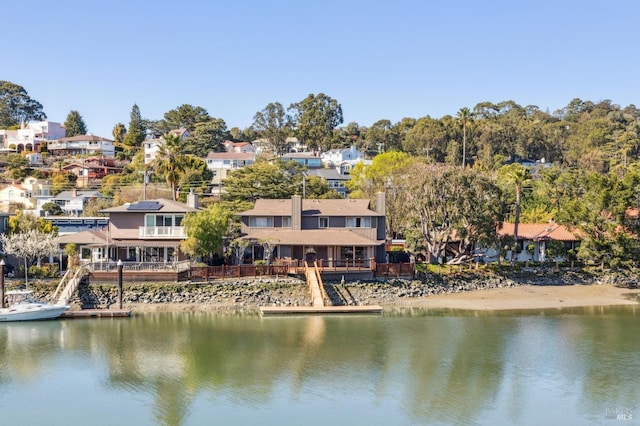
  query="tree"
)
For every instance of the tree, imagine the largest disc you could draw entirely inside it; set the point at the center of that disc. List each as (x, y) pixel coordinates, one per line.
(452, 210)
(318, 189)
(315, 118)
(52, 209)
(273, 124)
(387, 173)
(133, 139)
(32, 246)
(207, 136)
(23, 222)
(185, 116)
(262, 180)
(16, 106)
(194, 175)
(206, 230)
(169, 161)
(464, 117)
(517, 177)
(427, 137)
(380, 136)
(74, 125)
(18, 166)
(119, 132)
(61, 181)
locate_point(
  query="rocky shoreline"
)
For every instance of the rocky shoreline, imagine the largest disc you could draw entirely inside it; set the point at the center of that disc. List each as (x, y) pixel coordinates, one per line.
(250, 294)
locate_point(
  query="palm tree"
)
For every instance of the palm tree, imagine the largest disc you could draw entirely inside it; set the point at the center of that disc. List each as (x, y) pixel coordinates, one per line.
(518, 177)
(170, 161)
(465, 116)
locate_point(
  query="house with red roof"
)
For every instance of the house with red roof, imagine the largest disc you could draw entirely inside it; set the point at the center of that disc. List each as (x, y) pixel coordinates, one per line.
(533, 239)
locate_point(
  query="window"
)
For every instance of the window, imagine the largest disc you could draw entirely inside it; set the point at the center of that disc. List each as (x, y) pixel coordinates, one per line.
(286, 221)
(261, 222)
(168, 220)
(358, 222)
(323, 222)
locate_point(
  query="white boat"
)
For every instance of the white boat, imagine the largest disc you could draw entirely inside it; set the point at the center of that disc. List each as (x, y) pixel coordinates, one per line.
(23, 307)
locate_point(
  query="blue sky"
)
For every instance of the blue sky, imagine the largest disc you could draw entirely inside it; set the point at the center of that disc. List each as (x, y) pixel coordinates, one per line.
(379, 60)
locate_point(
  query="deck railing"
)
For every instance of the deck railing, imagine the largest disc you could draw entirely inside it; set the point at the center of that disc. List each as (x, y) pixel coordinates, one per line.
(238, 271)
(111, 266)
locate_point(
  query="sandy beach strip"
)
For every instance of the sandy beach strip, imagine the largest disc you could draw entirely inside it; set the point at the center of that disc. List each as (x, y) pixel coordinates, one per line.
(530, 297)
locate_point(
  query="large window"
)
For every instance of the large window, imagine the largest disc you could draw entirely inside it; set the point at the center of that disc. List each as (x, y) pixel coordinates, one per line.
(323, 222)
(156, 220)
(261, 222)
(286, 221)
(358, 222)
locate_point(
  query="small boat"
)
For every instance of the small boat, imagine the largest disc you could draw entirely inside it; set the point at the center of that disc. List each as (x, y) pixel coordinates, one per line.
(23, 307)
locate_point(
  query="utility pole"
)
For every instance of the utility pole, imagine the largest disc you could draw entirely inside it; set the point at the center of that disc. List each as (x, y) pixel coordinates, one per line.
(145, 181)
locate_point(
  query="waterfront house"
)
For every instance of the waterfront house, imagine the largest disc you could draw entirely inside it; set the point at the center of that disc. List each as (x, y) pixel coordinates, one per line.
(144, 235)
(331, 232)
(533, 239)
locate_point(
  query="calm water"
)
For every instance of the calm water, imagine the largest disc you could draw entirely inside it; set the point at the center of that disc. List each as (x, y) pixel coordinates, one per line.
(411, 367)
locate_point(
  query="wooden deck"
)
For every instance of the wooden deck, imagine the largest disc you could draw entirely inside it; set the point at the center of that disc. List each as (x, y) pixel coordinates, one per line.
(320, 310)
(102, 313)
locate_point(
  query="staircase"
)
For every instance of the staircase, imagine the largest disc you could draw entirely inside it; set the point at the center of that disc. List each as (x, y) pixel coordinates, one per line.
(68, 285)
(315, 285)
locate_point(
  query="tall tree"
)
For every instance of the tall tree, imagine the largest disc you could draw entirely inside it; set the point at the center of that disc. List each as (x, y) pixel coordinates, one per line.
(315, 118)
(380, 136)
(119, 132)
(185, 116)
(136, 134)
(428, 137)
(273, 124)
(170, 161)
(208, 136)
(16, 106)
(74, 125)
(464, 117)
(517, 177)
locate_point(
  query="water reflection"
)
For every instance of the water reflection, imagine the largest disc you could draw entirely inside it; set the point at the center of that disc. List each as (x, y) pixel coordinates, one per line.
(406, 367)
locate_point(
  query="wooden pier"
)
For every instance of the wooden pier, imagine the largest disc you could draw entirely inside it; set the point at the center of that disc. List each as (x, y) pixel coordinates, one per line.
(320, 310)
(101, 313)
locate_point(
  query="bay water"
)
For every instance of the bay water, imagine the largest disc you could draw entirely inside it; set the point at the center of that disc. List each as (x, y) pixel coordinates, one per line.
(405, 367)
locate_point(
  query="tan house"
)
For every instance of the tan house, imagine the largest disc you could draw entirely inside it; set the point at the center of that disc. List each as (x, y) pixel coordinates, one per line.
(332, 232)
(534, 237)
(139, 234)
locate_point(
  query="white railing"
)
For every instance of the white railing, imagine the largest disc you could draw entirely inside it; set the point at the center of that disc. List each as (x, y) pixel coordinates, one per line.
(158, 266)
(162, 232)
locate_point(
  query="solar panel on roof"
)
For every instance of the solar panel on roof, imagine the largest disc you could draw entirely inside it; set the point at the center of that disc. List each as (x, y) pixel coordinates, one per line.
(145, 205)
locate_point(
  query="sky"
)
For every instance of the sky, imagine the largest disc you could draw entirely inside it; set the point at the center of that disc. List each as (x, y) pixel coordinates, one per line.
(378, 59)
